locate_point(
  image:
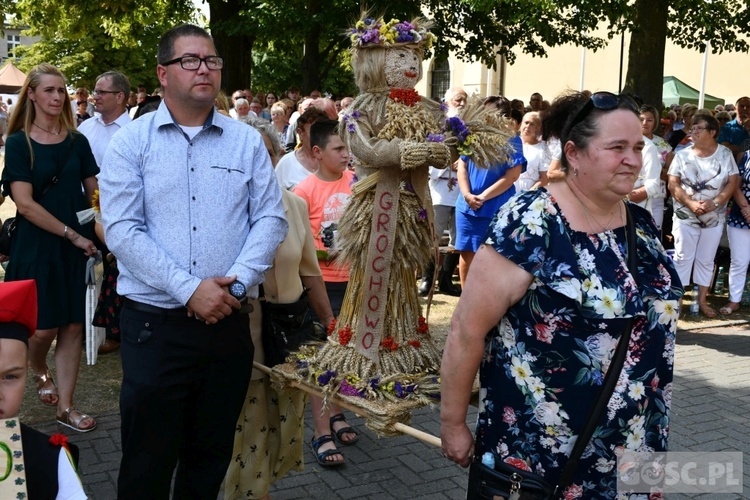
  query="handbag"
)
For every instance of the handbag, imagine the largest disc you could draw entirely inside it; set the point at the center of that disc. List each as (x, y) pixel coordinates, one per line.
(511, 483)
(285, 327)
(10, 226)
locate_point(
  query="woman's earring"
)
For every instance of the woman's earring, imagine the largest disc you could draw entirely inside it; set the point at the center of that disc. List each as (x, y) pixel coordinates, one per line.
(575, 172)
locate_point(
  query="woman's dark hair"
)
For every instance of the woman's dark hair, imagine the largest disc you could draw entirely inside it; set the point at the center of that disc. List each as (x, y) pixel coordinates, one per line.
(647, 108)
(567, 119)
(711, 122)
(499, 102)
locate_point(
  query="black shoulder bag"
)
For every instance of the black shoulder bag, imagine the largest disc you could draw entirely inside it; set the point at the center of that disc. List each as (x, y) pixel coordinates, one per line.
(512, 483)
(11, 223)
(285, 327)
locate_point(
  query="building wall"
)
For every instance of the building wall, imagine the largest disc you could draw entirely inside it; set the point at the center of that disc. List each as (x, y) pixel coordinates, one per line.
(561, 70)
(13, 32)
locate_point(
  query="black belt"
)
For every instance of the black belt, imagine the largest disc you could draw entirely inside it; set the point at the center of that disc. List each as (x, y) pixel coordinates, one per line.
(180, 312)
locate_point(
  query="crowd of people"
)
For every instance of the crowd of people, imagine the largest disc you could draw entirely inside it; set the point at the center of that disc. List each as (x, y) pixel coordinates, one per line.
(204, 197)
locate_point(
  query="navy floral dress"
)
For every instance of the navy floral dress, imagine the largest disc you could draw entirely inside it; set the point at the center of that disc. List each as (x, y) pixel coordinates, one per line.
(546, 359)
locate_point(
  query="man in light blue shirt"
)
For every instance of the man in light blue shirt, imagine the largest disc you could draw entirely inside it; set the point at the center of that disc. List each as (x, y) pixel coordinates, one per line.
(193, 213)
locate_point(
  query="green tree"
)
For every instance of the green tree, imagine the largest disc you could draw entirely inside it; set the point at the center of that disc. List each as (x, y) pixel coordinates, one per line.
(87, 39)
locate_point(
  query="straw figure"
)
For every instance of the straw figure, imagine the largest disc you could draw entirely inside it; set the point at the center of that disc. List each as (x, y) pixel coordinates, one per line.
(380, 346)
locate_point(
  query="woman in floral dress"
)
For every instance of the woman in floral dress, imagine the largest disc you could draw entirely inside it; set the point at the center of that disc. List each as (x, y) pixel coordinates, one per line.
(552, 333)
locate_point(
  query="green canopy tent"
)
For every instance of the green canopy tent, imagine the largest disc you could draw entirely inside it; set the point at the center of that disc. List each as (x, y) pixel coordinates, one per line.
(675, 91)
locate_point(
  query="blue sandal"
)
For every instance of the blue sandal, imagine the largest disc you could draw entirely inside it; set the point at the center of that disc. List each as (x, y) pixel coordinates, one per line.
(339, 417)
(322, 456)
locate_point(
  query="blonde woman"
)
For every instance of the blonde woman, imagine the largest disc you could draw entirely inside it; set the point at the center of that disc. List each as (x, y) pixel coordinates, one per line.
(50, 246)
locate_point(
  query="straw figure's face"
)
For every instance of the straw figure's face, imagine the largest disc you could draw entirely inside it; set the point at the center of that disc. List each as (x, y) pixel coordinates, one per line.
(402, 67)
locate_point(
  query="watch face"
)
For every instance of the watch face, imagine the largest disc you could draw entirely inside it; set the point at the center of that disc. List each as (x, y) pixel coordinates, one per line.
(237, 290)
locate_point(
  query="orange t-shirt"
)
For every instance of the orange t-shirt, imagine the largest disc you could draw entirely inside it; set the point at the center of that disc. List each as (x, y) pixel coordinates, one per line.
(326, 202)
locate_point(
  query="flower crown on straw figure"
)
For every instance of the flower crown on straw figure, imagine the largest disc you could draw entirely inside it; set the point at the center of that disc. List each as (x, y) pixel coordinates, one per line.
(370, 32)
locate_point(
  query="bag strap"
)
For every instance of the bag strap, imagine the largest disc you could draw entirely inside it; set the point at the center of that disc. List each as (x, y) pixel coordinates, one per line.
(610, 380)
(60, 166)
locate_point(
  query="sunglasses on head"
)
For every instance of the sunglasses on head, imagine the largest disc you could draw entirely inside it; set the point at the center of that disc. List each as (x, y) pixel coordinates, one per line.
(605, 101)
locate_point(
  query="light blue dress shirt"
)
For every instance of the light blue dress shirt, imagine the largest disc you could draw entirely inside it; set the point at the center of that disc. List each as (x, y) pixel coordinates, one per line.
(177, 210)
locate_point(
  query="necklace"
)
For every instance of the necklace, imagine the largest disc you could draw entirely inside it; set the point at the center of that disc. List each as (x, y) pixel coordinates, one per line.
(588, 214)
(48, 131)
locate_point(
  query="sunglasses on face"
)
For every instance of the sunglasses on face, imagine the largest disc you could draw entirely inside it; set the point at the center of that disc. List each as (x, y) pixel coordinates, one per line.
(604, 101)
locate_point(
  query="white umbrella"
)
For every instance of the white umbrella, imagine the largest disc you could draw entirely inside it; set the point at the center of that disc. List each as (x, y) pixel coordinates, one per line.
(94, 335)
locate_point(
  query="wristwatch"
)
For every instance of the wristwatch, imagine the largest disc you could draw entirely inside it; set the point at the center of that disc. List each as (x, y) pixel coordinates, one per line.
(716, 204)
(237, 290)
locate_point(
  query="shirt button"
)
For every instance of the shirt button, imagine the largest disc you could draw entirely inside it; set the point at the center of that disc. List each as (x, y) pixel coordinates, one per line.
(193, 198)
(194, 229)
(194, 263)
(192, 169)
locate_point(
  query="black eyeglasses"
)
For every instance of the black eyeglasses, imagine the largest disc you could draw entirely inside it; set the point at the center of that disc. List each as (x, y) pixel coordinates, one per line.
(192, 63)
(102, 92)
(605, 101)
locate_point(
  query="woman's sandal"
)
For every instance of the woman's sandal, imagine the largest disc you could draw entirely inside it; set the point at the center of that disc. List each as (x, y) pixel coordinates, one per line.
(729, 308)
(69, 420)
(50, 394)
(339, 417)
(707, 310)
(322, 457)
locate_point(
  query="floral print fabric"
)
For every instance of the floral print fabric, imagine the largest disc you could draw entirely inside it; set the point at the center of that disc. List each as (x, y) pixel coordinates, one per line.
(547, 358)
(735, 217)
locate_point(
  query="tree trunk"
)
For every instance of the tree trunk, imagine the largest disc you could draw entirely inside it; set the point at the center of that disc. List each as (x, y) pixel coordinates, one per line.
(646, 51)
(236, 49)
(312, 60)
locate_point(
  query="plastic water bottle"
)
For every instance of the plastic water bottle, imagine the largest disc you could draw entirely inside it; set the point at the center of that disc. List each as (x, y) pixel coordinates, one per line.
(694, 306)
(719, 286)
(488, 459)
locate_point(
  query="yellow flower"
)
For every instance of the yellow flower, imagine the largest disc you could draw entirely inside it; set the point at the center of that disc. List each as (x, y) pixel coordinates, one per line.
(360, 25)
(352, 379)
(96, 202)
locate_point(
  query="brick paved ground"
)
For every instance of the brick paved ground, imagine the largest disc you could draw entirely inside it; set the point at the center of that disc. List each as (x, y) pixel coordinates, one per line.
(710, 412)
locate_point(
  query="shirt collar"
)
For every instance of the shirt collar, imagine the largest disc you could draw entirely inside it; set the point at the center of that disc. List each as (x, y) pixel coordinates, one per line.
(164, 117)
(120, 120)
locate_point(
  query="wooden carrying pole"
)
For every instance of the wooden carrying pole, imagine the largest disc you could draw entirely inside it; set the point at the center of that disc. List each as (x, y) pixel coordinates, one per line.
(398, 426)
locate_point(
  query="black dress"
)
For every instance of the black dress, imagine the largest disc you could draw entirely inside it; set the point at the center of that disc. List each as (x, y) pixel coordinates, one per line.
(57, 266)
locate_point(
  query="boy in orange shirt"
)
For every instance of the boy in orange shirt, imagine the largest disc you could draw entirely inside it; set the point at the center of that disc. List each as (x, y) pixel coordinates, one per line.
(327, 192)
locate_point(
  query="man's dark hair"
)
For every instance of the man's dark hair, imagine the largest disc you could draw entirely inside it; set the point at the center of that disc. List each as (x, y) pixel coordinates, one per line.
(120, 82)
(321, 132)
(166, 44)
(312, 115)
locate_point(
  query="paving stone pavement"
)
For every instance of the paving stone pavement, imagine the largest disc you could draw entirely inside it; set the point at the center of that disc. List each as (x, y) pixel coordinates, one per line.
(710, 412)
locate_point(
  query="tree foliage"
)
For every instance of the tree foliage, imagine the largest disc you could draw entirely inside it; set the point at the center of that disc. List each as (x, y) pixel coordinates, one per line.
(87, 39)
(272, 45)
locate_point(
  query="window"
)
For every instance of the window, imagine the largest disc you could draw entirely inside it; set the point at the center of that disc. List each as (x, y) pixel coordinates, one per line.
(13, 42)
(441, 79)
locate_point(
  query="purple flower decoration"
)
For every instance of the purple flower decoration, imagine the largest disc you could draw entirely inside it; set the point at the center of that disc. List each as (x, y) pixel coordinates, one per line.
(324, 378)
(409, 187)
(355, 114)
(399, 390)
(458, 127)
(375, 383)
(301, 364)
(350, 127)
(435, 138)
(422, 214)
(443, 107)
(348, 390)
